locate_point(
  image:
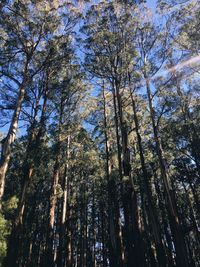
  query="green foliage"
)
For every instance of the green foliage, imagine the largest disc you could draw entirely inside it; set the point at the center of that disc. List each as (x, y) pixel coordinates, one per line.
(4, 232)
(10, 205)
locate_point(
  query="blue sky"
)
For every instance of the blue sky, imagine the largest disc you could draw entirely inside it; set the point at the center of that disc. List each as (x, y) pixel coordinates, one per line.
(151, 3)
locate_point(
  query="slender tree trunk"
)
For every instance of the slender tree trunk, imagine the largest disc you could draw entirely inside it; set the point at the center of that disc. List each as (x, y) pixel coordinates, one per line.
(153, 219)
(63, 224)
(49, 253)
(181, 252)
(81, 251)
(49, 257)
(10, 138)
(190, 127)
(195, 226)
(104, 254)
(68, 257)
(196, 197)
(116, 250)
(194, 192)
(85, 242)
(93, 234)
(32, 150)
(134, 243)
(164, 222)
(30, 161)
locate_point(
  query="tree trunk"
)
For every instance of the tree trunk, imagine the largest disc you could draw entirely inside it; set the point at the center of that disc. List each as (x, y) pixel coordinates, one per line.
(63, 224)
(116, 249)
(33, 146)
(164, 221)
(10, 138)
(178, 237)
(133, 242)
(153, 219)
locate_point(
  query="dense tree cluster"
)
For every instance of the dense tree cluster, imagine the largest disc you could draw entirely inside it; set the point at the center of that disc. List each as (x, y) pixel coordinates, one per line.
(100, 133)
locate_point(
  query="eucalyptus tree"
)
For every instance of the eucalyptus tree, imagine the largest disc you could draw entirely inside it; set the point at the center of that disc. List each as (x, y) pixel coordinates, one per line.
(68, 92)
(110, 60)
(50, 48)
(28, 31)
(185, 54)
(184, 67)
(101, 116)
(152, 57)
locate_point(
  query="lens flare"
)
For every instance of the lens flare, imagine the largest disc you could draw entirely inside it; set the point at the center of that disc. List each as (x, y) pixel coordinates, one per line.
(185, 63)
(193, 60)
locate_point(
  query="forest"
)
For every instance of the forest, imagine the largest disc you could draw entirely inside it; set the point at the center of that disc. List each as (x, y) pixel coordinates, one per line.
(99, 133)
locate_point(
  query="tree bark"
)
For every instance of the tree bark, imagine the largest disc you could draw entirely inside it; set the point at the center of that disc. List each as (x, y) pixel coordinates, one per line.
(11, 136)
(64, 212)
(178, 237)
(49, 256)
(150, 209)
(116, 249)
(134, 243)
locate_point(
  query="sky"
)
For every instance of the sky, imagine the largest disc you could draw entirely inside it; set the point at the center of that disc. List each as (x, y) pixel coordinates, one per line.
(151, 4)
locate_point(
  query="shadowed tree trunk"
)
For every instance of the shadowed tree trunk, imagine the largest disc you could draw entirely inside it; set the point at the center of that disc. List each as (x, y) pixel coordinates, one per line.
(115, 236)
(62, 251)
(150, 209)
(33, 147)
(133, 240)
(178, 237)
(11, 136)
